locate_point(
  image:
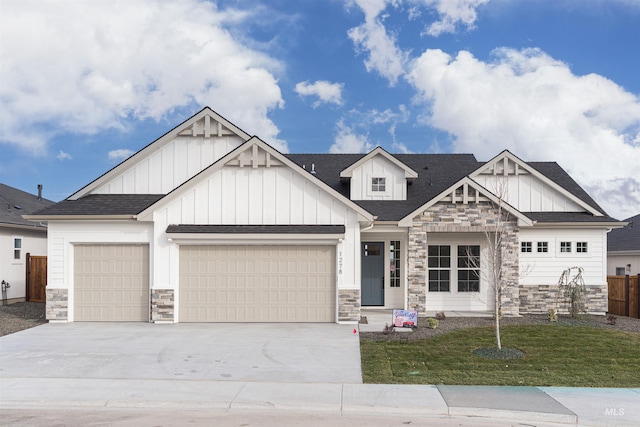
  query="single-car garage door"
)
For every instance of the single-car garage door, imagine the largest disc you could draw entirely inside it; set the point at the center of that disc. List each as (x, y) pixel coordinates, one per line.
(246, 283)
(111, 283)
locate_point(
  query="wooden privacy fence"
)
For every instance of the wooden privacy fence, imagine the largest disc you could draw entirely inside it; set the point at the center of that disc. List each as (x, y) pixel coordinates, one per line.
(624, 295)
(36, 278)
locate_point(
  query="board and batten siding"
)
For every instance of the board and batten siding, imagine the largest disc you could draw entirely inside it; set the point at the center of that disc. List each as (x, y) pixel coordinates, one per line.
(256, 196)
(528, 194)
(171, 165)
(378, 166)
(546, 268)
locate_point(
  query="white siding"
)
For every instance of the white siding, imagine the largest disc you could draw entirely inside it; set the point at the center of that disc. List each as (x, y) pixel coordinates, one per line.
(170, 166)
(528, 194)
(378, 166)
(256, 196)
(546, 268)
(13, 270)
(614, 261)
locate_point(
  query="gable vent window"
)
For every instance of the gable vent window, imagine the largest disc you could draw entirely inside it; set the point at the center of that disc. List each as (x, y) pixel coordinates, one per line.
(378, 184)
(525, 247)
(581, 247)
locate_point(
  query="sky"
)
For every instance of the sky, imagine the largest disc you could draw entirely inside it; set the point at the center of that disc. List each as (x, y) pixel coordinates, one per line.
(85, 84)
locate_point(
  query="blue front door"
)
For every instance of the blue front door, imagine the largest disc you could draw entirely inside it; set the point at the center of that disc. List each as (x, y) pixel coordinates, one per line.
(373, 273)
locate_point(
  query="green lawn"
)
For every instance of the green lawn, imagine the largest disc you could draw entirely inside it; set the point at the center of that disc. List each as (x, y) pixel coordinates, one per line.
(569, 356)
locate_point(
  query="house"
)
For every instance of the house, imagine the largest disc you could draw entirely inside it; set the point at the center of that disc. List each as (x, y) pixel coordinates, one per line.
(19, 237)
(210, 224)
(623, 249)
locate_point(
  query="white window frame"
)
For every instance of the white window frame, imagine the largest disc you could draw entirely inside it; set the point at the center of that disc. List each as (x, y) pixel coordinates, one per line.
(19, 250)
(582, 247)
(387, 185)
(526, 247)
(542, 245)
(561, 249)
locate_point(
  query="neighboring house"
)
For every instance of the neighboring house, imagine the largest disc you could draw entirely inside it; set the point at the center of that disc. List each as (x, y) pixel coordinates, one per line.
(209, 224)
(623, 249)
(18, 237)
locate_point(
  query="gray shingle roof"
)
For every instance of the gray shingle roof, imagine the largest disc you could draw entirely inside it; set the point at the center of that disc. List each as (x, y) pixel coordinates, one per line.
(436, 173)
(257, 229)
(103, 204)
(14, 203)
(627, 238)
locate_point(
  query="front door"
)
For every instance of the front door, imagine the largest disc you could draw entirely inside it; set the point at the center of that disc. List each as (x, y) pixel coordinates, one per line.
(373, 273)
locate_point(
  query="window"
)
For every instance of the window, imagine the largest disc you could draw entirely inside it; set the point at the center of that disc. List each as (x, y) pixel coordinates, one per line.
(620, 271)
(565, 247)
(525, 247)
(469, 268)
(543, 247)
(581, 247)
(378, 185)
(394, 261)
(439, 262)
(17, 248)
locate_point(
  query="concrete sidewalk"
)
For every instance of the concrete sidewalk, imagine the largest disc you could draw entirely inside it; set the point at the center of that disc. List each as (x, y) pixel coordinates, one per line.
(573, 406)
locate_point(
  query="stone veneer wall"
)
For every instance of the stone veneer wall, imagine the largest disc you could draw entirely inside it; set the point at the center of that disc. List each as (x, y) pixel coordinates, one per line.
(461, 218)
(57, 305)
(538, 299)
(348, 305)
(162, 305)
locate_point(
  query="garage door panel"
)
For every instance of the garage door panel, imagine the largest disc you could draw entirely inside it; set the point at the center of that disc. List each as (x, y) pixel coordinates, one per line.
(257, 283)
(111, 283)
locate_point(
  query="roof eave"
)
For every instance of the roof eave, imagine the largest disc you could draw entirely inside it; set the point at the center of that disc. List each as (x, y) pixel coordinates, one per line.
(79, 217)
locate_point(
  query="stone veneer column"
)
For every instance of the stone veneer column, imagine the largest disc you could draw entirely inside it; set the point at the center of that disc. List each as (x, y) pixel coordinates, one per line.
(162, 305)
(57, 305)
(417, 264)
(348, 305)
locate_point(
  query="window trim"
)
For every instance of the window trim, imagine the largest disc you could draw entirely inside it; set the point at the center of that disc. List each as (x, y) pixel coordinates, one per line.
(17, 249)
(439, 269)
(387, 185)
(542, 247)
(566, 247)
(582, 247)
(526, 247)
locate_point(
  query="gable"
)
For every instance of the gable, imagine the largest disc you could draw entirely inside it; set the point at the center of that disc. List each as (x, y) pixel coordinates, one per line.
(172, 159)
(257, 185)
(378, 176)
(466, 192)
(528, 190)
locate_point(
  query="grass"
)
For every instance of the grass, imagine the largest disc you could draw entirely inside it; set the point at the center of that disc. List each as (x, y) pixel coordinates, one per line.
(568, 356)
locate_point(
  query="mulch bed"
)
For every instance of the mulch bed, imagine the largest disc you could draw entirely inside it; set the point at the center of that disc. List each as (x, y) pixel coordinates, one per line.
(625, 324)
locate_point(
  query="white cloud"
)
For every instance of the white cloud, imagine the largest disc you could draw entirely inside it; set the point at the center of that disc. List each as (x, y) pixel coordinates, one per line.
(120, 154)
(453, 13)
(348, 141)
(84, 67)
(327, 92)
(535, 106)
(383, 54)
(63, 156)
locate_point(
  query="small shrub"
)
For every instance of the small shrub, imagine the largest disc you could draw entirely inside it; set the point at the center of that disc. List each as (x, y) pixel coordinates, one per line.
(387, 329)
(433, 323)
(611, 319)
(552, 315)
(440, 315)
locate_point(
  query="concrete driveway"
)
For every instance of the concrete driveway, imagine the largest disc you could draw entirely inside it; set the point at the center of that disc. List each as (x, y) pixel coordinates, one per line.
(292, 353)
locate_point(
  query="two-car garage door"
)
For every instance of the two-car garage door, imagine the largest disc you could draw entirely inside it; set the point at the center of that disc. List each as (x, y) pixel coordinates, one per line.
(268, 283)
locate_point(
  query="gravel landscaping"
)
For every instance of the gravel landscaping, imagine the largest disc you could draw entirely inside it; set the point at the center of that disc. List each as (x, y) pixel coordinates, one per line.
(19, 316)
(625, 324)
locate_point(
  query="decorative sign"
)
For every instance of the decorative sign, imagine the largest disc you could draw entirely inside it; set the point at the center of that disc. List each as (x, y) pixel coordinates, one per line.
(405, 318)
